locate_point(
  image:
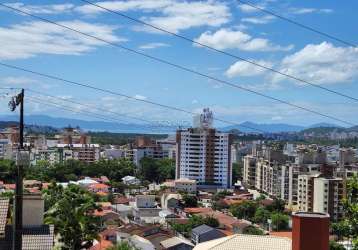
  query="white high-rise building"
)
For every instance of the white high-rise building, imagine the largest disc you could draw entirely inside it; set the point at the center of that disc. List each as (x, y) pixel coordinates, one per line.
(327, 197)
(203, 153)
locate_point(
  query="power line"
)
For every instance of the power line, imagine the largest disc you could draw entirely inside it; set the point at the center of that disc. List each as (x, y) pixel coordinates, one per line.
(224, 52)
(86, 113)
(90, 114)
(120, 94)
(304, 26)
(98, 108)
(161, 61)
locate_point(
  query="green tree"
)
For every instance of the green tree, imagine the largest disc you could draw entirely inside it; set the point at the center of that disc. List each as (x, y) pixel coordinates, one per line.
(262, 215)
(236, 172)
(335, 246)
(7, 170)
(245, 210)
(157, 170)
(277, 205)
(122, 246)
(341, 229)
(351, 210)
(72, 215)
(221, 195)
(148, 169)
(211, 221)
(279, 221)
(194, 221)
(190, 200)
(253, 230)
(260, 198)
(166, 169)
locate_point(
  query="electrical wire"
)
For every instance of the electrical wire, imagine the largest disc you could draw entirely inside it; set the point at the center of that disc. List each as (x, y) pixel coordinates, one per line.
(98, 108)
(86, 113)
(304, 26)
(164, 62)
(256, 64)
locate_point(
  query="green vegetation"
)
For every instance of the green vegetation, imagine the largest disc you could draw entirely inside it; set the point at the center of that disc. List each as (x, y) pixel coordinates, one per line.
(335, 246)
(70, 210)
(347, 228)
(236, 171)
(253, 230)
(157, 170)
(351, 210)
(190, 200)
(279, 221)
(245, 210)
(7, 171)
(261, 215)
(193, 222)
(256, 212)
(122, 246)
(71, 170)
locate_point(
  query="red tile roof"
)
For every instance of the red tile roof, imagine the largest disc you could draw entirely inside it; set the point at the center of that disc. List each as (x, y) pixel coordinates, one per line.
(282, 234)
(197, 210)
(98, 186)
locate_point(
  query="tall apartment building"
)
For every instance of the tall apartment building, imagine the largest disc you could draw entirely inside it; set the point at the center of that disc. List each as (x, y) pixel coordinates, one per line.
(305, 191)
(249, 171)
(317, 193)
(87, 153)
(146, 147)
(328, 194)
(203, 153)
(346, 157)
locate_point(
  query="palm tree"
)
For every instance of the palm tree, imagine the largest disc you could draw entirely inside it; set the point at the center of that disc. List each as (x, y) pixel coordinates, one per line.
(72, 216)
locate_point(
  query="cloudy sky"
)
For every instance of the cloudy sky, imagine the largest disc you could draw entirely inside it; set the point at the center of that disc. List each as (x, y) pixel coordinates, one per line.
(225, 25)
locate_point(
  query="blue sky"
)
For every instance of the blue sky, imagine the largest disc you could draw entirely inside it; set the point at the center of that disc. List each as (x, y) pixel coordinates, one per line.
(225, 25)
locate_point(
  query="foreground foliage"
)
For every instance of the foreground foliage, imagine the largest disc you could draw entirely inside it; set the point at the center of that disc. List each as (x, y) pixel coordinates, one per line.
(70, 210)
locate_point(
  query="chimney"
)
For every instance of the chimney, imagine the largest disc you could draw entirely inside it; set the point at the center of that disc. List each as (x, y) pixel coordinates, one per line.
(310, 231)
(33, 210)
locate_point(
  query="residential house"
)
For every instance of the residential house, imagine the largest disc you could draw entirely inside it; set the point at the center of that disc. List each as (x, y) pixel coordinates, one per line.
(205, 233)
(176, 243)
(170, 201)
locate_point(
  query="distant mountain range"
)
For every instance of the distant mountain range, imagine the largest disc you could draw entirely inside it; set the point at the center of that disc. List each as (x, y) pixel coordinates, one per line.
(57, 122)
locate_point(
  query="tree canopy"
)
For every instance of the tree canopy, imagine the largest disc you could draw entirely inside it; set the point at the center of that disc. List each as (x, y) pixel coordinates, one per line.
(70, 210)
(156, 170)
(71, 170)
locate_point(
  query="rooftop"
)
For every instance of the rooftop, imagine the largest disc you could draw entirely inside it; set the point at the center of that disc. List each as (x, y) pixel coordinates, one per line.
(172, 242)
(246, 242)
(311, 215)
(202, 229)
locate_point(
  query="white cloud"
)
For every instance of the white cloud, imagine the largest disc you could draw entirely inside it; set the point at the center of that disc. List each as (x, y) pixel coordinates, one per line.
(195, 101)
(185, 15)
(258, 20)
(29, 39)
(140, 97)
(173, 15)
(153, 45)
(277, 118)
(301, 11)
(322, 64)
(234, 39)
(41, 9)
(242, 68)
(247, 8)
(18, 80)
(144, 5)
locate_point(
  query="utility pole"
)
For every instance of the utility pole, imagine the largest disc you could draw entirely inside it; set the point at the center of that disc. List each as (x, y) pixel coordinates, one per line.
(21, 159)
